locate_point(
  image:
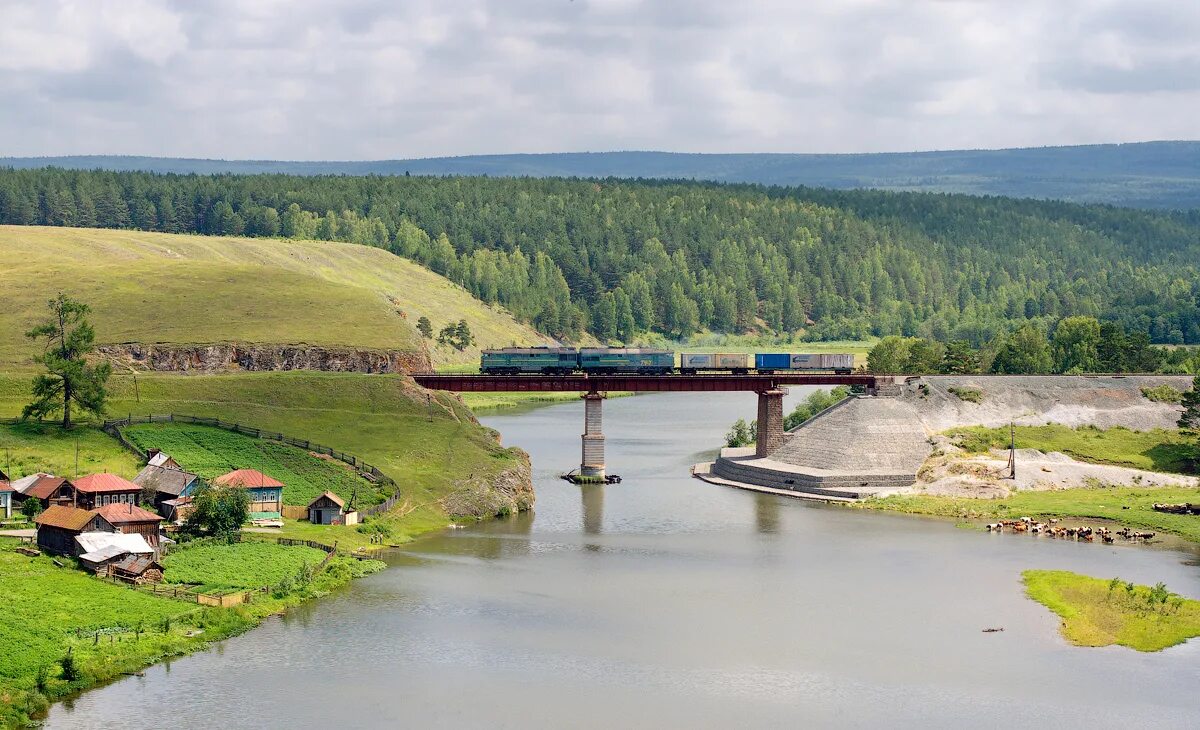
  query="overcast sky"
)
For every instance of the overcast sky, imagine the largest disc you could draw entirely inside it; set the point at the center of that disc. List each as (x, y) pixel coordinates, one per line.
(378, 79)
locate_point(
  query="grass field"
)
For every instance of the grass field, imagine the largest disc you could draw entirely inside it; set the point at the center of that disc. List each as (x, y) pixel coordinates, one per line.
(1157, 450)
(1126, 505)
(26, 448)
(1098, 612)
(241, 565)
(165, 288)
(211, 452)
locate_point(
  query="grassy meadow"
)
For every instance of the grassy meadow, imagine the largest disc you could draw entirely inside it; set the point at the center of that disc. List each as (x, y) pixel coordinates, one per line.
(166, 288)
(30, 447)
(1156, 450)
(1098, 612)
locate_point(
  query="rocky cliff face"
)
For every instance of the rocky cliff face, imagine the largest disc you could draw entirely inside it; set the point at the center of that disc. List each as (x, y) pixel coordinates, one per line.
(224, 357)
(506, 493)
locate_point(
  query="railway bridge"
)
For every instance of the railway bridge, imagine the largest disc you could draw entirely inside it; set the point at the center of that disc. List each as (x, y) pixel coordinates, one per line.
(770, 389)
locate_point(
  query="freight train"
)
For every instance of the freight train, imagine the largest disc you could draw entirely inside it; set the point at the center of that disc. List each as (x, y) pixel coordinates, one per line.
(646, 361)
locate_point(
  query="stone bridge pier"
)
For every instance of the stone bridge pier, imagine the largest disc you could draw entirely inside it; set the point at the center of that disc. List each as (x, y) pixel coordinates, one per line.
(592, 464)
(770, 421)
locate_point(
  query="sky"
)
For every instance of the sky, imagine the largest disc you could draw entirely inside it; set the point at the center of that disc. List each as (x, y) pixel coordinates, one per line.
(386, 79)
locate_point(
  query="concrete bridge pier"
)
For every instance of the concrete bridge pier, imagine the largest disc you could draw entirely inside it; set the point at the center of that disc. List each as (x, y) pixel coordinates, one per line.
(592, 464)
(770, 421)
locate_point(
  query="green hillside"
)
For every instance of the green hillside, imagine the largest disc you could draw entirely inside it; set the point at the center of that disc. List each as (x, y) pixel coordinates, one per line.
(211, 452)
(433, 448)
(164, 288)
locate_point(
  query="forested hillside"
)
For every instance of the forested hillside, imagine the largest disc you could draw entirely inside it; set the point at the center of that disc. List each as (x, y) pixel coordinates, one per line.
(1140, 174)
(622, 258)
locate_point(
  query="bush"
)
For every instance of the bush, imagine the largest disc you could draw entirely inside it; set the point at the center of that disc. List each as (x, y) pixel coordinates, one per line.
(1162, 394)
(971, 395)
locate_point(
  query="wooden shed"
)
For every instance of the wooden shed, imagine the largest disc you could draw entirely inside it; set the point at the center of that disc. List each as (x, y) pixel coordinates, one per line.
(327, 509)
(136, 569)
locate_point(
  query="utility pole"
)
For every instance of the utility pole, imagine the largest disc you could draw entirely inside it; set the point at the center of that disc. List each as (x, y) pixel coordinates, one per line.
(136, 395)
(1012, 450)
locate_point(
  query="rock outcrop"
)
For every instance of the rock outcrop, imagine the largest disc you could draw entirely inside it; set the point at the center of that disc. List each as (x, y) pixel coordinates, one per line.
(508, 492)
(225, 357)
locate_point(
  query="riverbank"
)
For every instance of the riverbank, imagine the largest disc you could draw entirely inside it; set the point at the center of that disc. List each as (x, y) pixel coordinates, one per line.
(108, 630)
(1099, 612)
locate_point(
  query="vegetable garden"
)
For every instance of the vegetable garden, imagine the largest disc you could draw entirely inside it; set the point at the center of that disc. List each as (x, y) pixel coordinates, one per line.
(211, 452)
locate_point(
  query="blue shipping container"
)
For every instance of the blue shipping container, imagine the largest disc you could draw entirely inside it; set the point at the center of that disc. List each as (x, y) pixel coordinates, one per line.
(773, 361)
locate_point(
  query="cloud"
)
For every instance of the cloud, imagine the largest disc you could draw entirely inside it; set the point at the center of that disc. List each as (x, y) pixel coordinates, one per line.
(375, 79)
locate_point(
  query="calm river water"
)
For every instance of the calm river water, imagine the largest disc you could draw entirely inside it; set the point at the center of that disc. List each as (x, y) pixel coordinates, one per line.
(665, 602)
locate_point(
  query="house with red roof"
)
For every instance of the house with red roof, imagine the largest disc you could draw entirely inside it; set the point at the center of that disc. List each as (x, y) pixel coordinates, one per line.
(266, 493)
(47, 489)
(97, 490)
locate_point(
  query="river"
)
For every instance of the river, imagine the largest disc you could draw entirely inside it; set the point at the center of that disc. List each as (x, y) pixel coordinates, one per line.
(664, 602)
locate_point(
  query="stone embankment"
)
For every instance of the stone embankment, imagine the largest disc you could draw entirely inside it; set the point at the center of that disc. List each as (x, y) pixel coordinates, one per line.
(227, 357)
(877, 445)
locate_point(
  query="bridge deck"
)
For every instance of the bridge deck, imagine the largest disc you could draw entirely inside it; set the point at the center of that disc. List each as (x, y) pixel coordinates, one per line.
(636, 383)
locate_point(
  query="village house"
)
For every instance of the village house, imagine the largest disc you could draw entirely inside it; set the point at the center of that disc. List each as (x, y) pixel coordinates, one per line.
(59, 525)
(330, 509)
(97, 490)
(168, 483)
(158, 458)
(132, 520)
(47, 489)
(6, 496)
(266, 494)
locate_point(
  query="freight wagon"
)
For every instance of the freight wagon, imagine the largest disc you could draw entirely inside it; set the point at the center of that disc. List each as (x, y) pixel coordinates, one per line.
(768, 363)
(544, 360)
(737, 363)
(626, 360)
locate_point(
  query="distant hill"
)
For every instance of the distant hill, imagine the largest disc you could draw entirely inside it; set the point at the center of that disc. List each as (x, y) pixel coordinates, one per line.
(188, 290)
(1141, 175)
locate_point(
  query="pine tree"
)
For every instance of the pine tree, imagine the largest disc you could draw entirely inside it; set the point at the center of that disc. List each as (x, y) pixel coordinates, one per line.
(69, 378)
(425, 327)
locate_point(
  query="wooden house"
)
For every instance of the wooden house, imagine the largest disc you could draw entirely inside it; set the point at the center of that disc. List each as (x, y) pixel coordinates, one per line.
(159, 458)
(132, 520)
(49, 490)
(97, 490)
(330, 509)
(59, 525)
(168, 483)
(266, 493)
(6, 496)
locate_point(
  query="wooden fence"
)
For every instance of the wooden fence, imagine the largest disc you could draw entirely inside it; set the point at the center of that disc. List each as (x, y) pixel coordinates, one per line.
(384, 506)
(366, 470)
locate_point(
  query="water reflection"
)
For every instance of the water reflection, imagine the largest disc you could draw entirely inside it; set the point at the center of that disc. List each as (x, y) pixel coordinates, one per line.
(592, 498)
(766, 513)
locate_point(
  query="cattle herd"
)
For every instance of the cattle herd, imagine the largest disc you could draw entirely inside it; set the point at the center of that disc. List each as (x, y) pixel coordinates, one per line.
(1053, 529)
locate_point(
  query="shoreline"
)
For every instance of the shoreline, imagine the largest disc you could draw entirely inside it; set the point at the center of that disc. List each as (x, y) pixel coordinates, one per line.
(209, 627)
